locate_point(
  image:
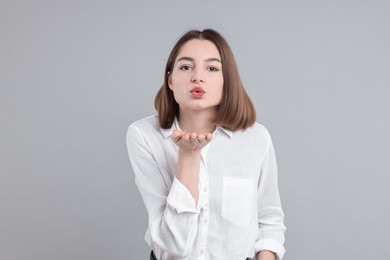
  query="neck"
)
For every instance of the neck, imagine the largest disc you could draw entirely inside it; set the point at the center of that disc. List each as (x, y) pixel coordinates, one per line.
(197, 121)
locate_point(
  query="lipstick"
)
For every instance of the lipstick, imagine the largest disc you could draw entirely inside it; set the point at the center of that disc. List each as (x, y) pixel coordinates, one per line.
(197, 92)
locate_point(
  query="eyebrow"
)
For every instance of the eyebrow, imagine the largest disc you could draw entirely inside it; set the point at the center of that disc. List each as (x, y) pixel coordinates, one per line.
(192, 60)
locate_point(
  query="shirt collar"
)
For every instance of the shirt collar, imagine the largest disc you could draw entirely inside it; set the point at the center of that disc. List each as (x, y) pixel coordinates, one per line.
(168, 132)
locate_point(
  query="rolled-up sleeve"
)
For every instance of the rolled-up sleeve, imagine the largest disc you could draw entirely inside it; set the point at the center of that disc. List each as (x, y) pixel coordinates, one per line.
(270, 214)
(172, 211)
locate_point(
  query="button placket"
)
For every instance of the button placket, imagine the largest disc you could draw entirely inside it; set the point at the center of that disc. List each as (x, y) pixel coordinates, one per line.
(204, 217)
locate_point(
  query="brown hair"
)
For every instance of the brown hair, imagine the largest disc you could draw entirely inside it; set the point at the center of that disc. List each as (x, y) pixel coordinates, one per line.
(236, 110)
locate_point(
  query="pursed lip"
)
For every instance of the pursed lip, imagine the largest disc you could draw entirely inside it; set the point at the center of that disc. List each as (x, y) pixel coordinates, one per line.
(198, 90)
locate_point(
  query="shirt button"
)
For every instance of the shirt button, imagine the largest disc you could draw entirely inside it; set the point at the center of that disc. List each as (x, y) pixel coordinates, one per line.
(201, 251)
(205, 220)
(205, 189)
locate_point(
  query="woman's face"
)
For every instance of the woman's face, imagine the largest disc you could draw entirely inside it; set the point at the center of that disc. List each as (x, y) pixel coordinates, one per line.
(196, 78)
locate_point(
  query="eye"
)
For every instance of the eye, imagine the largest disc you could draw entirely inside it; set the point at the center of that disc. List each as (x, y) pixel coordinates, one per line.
(185, 67)
(213, 69)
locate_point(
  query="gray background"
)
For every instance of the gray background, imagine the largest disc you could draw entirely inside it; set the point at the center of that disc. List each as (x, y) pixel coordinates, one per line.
(75, 74)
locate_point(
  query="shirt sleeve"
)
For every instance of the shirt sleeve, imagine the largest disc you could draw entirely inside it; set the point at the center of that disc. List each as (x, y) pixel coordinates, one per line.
(270, 214)
(172, 211)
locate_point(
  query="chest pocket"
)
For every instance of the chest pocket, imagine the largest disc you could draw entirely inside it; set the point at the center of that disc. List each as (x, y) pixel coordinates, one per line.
(239, 200)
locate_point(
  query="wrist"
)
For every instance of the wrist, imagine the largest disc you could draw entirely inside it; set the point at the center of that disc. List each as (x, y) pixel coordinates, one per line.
(189, 155)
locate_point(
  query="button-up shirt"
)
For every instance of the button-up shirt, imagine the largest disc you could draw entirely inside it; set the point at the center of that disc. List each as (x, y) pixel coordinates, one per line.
(238, 212)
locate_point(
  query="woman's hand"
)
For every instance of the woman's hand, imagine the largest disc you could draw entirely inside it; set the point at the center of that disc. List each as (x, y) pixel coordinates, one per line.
(191, 142)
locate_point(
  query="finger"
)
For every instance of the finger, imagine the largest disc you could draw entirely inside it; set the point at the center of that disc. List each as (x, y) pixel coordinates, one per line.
(194, 144)
(201, 137)
(203, 143)
(204, 139)
(177, 133)
(186, 136)
(176, 139)
(194, 135)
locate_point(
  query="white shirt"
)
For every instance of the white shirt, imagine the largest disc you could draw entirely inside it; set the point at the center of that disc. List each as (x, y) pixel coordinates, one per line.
(238, 212)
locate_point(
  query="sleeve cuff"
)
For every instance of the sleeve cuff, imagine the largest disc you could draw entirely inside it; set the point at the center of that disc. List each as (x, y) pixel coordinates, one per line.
(270, 245)
(180, 198)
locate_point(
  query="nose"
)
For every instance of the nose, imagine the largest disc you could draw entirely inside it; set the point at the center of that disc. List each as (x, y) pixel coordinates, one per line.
(197, 77)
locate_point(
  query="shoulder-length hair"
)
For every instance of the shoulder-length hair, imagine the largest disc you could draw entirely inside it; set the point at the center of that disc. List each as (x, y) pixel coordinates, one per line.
(236, 110)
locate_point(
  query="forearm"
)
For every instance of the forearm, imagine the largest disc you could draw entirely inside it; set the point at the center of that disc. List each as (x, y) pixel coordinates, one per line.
(188, 172)
(266, 255)
(174, 230)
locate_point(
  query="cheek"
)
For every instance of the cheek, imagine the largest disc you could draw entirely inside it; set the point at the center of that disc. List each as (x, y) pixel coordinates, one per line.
(178, 92)
(175, 83)
(220, 91)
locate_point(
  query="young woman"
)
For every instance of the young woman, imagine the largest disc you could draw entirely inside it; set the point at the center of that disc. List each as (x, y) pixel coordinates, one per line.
(205, 169)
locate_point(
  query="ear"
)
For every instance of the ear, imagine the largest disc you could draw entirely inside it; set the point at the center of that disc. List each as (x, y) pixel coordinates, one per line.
(170, 80)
